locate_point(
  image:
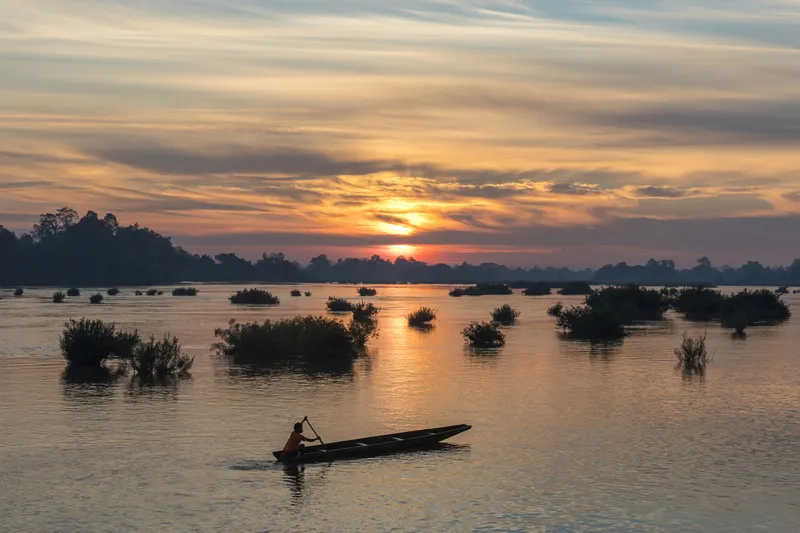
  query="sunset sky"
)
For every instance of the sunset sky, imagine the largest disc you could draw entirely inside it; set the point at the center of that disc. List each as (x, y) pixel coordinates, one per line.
(568, 132)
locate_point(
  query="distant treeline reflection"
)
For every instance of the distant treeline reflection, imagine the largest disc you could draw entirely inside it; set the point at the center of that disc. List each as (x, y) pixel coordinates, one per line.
(65, 249)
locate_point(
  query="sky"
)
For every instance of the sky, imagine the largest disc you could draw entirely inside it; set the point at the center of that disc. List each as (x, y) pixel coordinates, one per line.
(567, 133)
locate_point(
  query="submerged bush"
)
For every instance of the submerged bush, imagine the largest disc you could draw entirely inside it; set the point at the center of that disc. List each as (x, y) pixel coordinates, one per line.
(90, 342)
(782, 290)
(184, 291)
(484, 335)
(160, 293)
(698, 303)
(505, 314)
(749, 308)
(586, 323)
(537, 289)
(304, 337)
(307, 293)
(692, 354)
(576, 288)
(58, 297)
(364, 311)
(362, 330)
(338, 305)
(19, 291)
(295, 292)
(160, 358)
(422, 317)
(73, 292)
(152, 292)
(254, 297)
(96, 298)
(629, 303)
(138, 293)
(482, 289)
(112, 291)
(555, 309)
(367, 291)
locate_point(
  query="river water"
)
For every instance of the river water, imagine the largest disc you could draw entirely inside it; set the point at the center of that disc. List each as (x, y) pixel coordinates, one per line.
(565, 437)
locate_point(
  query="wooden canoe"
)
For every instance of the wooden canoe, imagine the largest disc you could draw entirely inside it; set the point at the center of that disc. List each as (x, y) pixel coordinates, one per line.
(372, 446)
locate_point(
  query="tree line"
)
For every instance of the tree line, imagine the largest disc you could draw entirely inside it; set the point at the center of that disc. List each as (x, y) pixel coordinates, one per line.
(65, 249)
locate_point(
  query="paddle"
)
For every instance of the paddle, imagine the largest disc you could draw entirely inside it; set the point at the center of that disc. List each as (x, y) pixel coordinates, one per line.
(305, 419)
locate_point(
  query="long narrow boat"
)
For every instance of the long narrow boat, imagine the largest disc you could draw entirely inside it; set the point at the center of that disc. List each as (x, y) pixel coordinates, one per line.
(372, 446)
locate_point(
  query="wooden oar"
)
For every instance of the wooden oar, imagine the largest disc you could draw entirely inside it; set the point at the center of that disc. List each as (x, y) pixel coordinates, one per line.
(315, 433)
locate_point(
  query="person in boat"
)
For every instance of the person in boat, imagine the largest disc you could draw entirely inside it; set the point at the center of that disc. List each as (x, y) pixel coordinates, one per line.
(294, 445)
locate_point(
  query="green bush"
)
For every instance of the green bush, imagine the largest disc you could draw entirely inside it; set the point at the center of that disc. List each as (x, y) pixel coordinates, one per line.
(160, 358)
(366, 291)
(576, 288)
(422, 317)
(782, 290)
(58, 297)
(338, 305)
(254, 297)
(184, 291)
(484, 335)
(307, 293)
(96, 298)
(482, 289)
(692, 354)
(698, 303)
(295, 292)
(19, 291)
(587, 323)
(138, 293)
(364, 311)
(160, 293)
(288, 339)
(749, 308)
(152, 292)
(537, 289)
(362, 330)
(629, 303)
(112, 291)
(505, 314)
(555, 309)
(73, 292)
(91, 342)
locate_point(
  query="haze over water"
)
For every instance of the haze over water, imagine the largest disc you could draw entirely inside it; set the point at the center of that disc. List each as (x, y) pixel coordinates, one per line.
(566, 436)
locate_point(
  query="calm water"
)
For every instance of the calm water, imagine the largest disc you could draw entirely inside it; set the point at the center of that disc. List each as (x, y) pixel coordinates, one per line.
(565, 437)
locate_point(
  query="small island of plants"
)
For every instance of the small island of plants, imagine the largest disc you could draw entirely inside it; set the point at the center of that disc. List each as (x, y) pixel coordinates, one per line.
(254, 297)
(484, 335)
(505, 314)
(367, 291)
(184, 291)
(421, 318)
(482, 289)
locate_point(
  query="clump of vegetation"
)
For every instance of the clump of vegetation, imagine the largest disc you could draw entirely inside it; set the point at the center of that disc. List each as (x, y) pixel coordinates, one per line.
(587, 323)
(88, 343)
(301, 337)
(58, 297)
(576, 288)
(749, 308)
(152, 292)
(96, 298)
(184, 291)
(363, 329)
(160, 293)
(367, 291)
(295, 292)
(338, 305)
(19, 291)
(505, 314)
(73, 292)
(698, 303)
(482, 289)
(629, 303)
(537, 289)
(112, 291)
(422, 317)
(138, 293)
(307, 293)
(484, 335)
(254, 297)
(782, 290)
(160, 358)
(364, 311)
(692, 355)
(555, 309)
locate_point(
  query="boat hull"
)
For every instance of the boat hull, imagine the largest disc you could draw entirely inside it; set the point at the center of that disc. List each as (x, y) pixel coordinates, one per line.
(373, 446)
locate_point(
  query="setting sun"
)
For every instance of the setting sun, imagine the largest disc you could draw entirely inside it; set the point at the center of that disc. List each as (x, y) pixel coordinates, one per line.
(401, 249)
(394, 229)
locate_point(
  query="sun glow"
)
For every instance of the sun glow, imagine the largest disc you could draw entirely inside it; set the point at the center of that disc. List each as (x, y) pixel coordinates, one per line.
(401, 249)
(393, 229)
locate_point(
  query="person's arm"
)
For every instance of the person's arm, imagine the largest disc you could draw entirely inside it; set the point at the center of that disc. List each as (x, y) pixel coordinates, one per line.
(307, 439)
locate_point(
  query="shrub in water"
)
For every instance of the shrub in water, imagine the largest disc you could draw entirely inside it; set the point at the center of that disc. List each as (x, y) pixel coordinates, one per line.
(629, 303)
(484, 335)
(160, 358)
(308, 293)
(338, 305)
(366, 291)
(481, 289)
(138, 293)
(505, 314)
(184, 291)
(73, 292)
(58, 297)
(537, 289)
(160, 293)
(555, 309)
(698, 303)
(19, 291)
(362, 330)
(90, 342)
(586, 323)
(96, 298)
(152, 292)
(364, 311)
(254, 297)
(753, 307)
(782, 290)
(692, 354)
(295, 292)
(422, 317)
(306, 337)
(112, 291)
(576, 288)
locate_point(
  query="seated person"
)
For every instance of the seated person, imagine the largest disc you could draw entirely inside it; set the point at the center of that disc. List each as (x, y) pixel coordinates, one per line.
(294, 445)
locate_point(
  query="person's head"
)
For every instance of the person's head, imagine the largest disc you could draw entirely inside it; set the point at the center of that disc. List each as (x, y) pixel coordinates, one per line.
(298, 427)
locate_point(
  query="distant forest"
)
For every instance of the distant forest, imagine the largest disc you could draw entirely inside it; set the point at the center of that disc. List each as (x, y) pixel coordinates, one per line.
(64, 249)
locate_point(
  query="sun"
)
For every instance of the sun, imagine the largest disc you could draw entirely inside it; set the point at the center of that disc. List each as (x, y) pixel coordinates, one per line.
(401, 249)
(394, 229)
